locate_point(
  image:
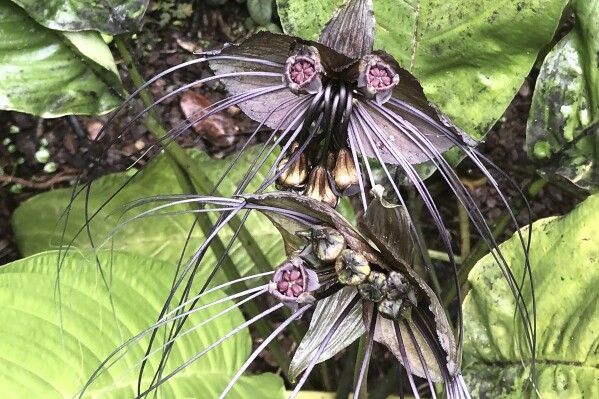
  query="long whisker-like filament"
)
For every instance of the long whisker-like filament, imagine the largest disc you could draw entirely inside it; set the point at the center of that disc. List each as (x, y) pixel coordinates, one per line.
(475, 215)
(367, 352)
(299, 313)
(324, 343)
(406, 361)
(160, 381)
(123, 349)
(416, 346)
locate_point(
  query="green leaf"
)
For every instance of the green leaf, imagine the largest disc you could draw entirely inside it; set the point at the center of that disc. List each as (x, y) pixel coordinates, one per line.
(260, 10)
(108, 16)
(54, 340)
(565, 267)
(471, 57)
(37, 227)
(51, 74)
(562, 134)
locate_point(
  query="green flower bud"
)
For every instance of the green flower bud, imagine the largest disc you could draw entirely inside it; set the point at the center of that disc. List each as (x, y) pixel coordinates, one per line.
(374, 288)
(390, 308)
(328, 244)
(352, 268)
(397, 286)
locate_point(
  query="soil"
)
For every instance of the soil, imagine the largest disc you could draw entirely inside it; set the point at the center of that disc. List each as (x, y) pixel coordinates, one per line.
(70, 140)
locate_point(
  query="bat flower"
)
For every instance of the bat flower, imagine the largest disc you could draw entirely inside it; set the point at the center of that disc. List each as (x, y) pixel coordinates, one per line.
(334, 106)
(342, 118)
(357, 283)
(366, 286)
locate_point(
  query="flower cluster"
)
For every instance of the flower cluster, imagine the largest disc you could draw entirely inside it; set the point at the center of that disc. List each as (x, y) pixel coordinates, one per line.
(344, 119)
(337, 269)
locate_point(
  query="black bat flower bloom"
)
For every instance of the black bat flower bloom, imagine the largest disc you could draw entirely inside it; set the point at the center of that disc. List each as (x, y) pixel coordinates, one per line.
(366, 285)
(358, 283)
(343, 118)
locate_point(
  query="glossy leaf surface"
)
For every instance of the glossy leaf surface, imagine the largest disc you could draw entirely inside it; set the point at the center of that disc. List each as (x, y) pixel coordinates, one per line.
(562, 134)
(37, 226)
(108, 16)
(470, 56)
(49, 73)
(54, 340)
(565, 267)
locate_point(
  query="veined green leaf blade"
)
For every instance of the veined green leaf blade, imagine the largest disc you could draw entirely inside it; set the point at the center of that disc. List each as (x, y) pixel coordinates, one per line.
(54, 340)
(471, 57)
(43, 72)
(565, 256)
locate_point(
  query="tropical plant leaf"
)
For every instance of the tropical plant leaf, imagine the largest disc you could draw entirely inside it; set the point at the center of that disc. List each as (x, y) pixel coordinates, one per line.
(49, 73)
(565, 267)
(471, 57)
(54, 340)
(108, 16)
(38, 228)
(562, 134)
(325, 314)
(260, 10)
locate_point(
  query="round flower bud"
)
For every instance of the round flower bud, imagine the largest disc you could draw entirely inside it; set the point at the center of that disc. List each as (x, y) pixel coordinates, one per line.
(328, 244)
(352, 268)
(390, 308)
(374, 288)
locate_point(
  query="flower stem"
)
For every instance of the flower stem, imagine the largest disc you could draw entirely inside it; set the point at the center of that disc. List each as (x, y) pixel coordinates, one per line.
(464, 230)
(345, 385)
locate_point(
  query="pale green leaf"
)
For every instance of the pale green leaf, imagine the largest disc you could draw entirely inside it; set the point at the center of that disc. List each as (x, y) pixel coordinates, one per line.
(37, 226)
(471, 57)
(565, 266)
(108, 16)
(48, 73)
(562, 134)
(53, 340)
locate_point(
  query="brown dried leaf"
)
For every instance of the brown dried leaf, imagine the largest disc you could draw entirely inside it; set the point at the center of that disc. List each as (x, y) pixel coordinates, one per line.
(217, 128)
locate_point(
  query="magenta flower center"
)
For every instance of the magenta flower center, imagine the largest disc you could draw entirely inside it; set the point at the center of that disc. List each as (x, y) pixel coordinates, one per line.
(380, 76)
(301, 71)
(292, 283)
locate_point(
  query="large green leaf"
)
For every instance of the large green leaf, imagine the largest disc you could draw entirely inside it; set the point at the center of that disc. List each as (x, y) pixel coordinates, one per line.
(108, 16)
(562, 134)
(37, 228)
(52, 341)
(470, 56)
(51, 74)
(565, 266)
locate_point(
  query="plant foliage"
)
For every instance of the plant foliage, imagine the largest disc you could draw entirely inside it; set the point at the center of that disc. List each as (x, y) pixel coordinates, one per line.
(54, 340)
(470, 56)
(565, 266)
(562, 134)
